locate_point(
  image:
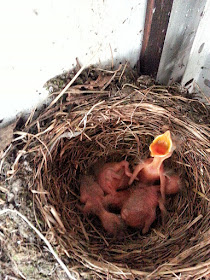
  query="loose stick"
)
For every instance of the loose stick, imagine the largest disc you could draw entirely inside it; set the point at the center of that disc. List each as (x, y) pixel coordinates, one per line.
(5, 211)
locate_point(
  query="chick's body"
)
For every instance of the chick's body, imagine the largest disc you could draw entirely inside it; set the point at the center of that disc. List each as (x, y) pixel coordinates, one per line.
(151, 170)
(147, 171)
(139, 210)
(91, 194)
(113, 176)
(173, 184)
(118, 199)
(112, 223)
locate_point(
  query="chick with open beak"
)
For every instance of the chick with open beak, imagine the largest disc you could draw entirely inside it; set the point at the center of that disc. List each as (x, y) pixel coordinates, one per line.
(151, 170)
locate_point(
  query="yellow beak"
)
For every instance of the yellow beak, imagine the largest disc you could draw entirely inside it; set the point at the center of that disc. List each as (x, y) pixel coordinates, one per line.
(161, 145)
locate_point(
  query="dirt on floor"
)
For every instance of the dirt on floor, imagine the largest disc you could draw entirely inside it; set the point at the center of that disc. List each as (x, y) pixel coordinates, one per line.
(23, 255)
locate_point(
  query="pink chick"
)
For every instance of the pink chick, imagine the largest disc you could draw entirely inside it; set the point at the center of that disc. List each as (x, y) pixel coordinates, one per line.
(151, 169)
(113, 176)
(139, 211)
(91, 194)
(116, 200)
(173, 184)
(111, 222)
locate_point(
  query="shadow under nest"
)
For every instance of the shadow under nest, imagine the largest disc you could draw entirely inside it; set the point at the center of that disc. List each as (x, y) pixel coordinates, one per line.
(120, 123)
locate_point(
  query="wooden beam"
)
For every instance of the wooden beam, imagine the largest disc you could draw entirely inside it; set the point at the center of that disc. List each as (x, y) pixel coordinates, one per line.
(156, 24)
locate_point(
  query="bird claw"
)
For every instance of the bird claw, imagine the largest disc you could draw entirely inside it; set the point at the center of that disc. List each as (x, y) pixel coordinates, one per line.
(124, 214)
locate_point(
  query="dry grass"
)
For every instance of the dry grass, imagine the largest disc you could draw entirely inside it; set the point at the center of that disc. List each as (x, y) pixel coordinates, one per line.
(114, 120)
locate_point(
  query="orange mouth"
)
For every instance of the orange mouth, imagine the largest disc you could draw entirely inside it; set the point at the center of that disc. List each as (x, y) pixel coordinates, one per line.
(161, 145)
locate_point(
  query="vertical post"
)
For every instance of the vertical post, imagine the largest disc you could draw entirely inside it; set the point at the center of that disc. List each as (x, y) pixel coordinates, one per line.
(156, 24)
(183, 43)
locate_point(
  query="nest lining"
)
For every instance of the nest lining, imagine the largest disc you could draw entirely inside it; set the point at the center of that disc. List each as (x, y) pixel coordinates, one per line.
(119, 123)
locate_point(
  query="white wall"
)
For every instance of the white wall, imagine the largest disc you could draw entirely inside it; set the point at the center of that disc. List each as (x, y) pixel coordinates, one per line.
(41, 39)
(183, 24)
(186, 52)
(198, 67)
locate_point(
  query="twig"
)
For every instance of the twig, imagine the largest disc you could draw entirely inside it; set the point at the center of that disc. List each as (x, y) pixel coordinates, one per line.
(71, 134)
(72, 81)
(2, 158)
(123, 71)
(84, 120)
(204, 96)
(111, 56)
(112, 78)
(9, 277)
(5, 211)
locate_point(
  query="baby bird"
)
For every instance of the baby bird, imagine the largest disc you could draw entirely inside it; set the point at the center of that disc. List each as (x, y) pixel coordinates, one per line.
(117, 200)
(111, 222)
(173, 184)
(113, 176)
(151, 169)
(92, 195)
(139, 211)
(138, 204)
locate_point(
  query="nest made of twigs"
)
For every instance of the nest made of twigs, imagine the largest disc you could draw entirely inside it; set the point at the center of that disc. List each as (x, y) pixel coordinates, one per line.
(113, 120)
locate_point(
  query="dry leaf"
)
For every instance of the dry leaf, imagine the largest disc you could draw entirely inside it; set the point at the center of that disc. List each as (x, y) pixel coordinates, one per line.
(74, 93)
(6, 135)
(98, 83)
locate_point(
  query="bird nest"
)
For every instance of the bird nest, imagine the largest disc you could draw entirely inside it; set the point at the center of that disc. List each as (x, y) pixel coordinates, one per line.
(112, 116)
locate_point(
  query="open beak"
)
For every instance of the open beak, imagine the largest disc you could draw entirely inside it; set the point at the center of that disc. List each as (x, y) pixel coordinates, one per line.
(161, 145)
